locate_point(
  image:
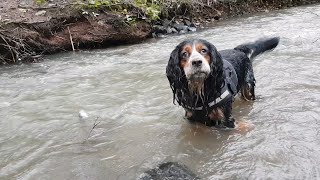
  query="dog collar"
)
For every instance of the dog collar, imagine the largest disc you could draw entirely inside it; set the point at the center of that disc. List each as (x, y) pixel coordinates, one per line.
(226, 94)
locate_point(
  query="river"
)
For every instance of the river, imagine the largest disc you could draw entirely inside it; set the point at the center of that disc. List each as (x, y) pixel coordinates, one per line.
(133, 126)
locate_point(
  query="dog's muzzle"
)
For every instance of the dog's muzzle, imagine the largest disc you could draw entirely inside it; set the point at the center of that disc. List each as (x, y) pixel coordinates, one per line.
(198, 75)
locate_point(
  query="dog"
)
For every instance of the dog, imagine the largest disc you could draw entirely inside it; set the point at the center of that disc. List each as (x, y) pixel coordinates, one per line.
(205, 81)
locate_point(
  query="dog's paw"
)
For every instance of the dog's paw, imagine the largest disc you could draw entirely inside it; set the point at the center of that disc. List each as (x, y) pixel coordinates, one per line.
(222, 124)
(230, 123)
(247, 92)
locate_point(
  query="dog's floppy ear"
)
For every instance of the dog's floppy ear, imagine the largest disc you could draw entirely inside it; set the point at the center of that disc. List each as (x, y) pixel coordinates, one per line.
(174, 72)
(216, 67)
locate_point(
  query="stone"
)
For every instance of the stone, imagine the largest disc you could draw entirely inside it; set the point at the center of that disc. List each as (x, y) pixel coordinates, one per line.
(52, 5)
(169, 30)
(187, 22)
(165, 22)
(159, 29)
(192, 25)
(161, 35)
(216, 18)
(22, 10)
(154, 35)
(192, 29)
(83, 114)
(183, 31)
(169, 171)
(174, 30)
(180, 27)
(41, 13)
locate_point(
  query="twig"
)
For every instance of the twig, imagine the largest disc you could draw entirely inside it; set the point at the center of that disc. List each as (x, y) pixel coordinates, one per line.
(71, 39)
(315, 41)
(94, 125)
(172, 19)
(11, 51)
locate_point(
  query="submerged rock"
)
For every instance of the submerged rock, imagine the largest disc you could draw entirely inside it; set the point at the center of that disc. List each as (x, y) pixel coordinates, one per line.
(192, 29)
(180, 27)
(189, 23)
(183, 31)
(174, 30)
(159, 29)
(169, 171)
(83, 114)
(165, 22)
(169, 30)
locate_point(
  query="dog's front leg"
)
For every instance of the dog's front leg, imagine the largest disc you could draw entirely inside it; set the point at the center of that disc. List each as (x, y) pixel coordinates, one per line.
(222, 117)
(229, 120)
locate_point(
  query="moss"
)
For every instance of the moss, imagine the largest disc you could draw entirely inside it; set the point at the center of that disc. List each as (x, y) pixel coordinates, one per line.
(40, 2)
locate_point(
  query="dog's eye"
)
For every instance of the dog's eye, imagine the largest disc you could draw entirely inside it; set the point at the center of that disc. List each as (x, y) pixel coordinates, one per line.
(184, 55)
(203, 51)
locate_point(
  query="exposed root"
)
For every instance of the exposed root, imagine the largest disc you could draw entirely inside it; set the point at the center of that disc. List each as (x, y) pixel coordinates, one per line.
(15, 50)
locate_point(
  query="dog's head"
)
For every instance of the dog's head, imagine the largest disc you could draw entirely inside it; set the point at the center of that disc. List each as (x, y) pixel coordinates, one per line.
(194, 66)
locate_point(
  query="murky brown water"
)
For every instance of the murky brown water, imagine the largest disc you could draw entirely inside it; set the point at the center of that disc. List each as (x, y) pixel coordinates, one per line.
(42, 137)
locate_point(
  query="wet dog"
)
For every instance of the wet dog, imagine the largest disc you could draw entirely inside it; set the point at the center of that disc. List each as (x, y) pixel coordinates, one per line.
(205, 81)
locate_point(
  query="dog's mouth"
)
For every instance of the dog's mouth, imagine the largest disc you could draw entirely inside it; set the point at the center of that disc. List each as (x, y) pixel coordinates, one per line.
(198, 76)
(196, 82)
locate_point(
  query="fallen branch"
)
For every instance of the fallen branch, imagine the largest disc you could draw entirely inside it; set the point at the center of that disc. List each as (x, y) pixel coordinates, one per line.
(71, 41)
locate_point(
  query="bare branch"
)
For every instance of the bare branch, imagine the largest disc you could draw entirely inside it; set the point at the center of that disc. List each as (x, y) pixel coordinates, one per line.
(94, 125)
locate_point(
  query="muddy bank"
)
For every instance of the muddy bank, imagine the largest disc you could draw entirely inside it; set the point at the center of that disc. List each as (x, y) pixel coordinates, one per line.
(29, 30)
(50, 29)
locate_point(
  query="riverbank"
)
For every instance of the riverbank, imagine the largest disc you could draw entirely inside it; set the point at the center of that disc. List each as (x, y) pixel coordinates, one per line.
(29, 29)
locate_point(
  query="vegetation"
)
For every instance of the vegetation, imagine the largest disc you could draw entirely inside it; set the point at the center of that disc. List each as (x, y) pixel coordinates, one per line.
(39, 2)
(25, 42)
(147, 9)
(152, 10)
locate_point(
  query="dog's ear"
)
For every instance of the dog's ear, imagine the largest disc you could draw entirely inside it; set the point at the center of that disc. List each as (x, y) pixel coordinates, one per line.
(216, 67)
(174, 72)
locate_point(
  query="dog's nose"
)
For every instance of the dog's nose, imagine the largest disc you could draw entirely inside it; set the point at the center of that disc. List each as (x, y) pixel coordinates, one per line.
(196, 63)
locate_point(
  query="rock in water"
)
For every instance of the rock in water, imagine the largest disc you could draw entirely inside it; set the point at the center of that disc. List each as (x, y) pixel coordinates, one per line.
(83, 114)
(192, 29)
(169, 171)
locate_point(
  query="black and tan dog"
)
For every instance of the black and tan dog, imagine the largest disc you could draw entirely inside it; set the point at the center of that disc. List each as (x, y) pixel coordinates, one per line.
(204, 81)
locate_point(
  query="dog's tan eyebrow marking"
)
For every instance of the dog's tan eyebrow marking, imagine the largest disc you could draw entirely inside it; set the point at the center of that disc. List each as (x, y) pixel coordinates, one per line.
(187, 48)
(199, 46)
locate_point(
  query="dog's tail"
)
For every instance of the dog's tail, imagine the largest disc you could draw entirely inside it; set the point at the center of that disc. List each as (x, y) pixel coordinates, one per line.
(258, 47)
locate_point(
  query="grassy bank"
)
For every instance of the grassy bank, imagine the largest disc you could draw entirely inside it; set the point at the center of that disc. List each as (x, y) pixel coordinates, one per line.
(41, 27)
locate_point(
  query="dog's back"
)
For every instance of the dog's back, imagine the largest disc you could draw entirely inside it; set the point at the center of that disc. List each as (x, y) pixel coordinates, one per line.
(242, 56)
(249, 50)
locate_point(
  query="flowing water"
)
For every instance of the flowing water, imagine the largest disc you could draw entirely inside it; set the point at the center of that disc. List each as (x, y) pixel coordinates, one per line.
(133, 126)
